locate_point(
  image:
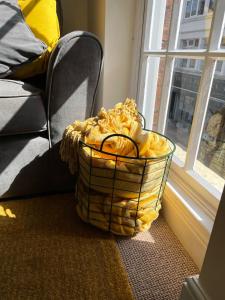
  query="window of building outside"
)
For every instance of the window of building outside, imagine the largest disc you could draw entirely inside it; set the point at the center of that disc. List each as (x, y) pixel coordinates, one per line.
(182, 76)
(194, 8)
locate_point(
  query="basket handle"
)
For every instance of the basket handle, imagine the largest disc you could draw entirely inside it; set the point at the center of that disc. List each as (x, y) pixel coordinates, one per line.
(144, 120)
(121, 135)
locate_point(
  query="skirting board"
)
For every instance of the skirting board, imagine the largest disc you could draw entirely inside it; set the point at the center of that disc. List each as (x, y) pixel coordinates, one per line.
(192, 290)
(191, 228)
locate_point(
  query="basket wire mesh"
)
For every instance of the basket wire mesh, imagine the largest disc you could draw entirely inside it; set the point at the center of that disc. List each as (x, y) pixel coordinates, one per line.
(118, 193)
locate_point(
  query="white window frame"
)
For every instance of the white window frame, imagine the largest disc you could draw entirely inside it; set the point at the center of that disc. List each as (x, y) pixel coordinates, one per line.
(198, 189)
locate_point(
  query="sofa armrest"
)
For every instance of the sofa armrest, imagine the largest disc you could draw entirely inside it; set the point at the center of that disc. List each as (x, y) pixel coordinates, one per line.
(72, 79)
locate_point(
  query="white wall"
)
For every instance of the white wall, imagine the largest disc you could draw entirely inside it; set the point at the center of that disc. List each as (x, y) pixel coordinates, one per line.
(119, 25)
(96, 25)
(113, 22)
(75, 15)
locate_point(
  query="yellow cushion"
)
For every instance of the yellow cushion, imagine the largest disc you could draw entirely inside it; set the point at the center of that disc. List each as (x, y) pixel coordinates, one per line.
(41, 17)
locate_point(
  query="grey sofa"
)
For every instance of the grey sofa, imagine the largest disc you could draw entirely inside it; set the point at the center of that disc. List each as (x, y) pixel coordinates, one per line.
(33, 117)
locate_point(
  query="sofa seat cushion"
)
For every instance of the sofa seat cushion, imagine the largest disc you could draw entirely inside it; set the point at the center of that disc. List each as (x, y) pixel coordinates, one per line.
(21, 108)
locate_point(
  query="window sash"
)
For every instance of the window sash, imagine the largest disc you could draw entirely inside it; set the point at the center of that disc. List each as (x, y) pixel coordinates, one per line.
(211, 54)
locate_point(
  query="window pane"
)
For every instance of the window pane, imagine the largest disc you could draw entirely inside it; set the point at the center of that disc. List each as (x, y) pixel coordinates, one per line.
(189, 43)
(183, 63)
(196, 43)
(196, 23)
(223, 42)
(192, 63)
(153, 90)
(201, 7)
(166, 27)
(155, 67)
(183, 44)
(188, 9)
(194, 7)
(158, 92)
(159, 14)
(219, 66)
(212, 5)
(222, 45)
(210, 163)
(183, 95)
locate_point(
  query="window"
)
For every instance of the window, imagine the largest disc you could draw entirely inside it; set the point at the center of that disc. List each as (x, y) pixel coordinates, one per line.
(192, 63)
(219, 66)
(190, 98)
(201, 6)
(212, 5)
(183, 63)
(195, 8)
(196, 43)
(188, 9)
(184, 44)
(223, 42)
(204, 43)
(189, 43)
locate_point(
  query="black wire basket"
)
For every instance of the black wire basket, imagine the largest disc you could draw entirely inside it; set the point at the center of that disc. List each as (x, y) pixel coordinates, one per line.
(117, 193)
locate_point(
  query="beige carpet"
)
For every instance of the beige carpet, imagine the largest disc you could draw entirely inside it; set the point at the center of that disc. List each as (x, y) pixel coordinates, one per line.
(48, 253)
(156, 262)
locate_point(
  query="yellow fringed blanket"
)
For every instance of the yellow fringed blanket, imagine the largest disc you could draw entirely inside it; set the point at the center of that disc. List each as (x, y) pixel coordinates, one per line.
(122, 119)
(116, 190)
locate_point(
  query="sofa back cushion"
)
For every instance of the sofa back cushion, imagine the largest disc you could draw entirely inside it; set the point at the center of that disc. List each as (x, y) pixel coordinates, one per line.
(29, 30)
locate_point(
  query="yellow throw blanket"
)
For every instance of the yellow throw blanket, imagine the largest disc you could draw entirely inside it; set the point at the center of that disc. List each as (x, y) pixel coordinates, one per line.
(123, 216)
(122, 119)
(120, 191)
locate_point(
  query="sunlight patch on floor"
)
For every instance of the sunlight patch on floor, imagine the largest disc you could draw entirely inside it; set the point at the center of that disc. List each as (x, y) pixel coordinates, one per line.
(6, 212)
(144, 237)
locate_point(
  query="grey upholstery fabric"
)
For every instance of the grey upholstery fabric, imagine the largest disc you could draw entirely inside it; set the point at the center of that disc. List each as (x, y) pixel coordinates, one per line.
(18, 45)
(29, 167)
(21, 108)
(16, 154)
(27, 164)
(72, 80)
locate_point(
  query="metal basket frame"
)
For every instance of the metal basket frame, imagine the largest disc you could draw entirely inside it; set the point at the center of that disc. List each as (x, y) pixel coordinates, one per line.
(147, 161)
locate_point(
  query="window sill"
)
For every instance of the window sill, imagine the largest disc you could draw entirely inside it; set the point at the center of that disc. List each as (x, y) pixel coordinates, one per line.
(188, 221)
(203, 194)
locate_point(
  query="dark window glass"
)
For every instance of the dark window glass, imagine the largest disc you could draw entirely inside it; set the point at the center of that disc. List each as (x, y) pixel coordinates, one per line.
(188, 9)
(196, 42)
(201, 7)
(184, 44)
(194, 7)
(211, 5)
(219, 66)
(182, 105)
(192, 63)
(223, 42)
(183, 63)
(191, 43)
(212, 147)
